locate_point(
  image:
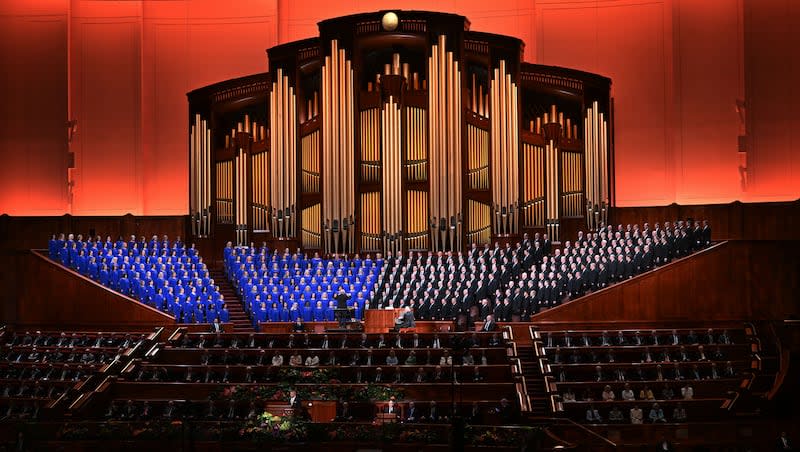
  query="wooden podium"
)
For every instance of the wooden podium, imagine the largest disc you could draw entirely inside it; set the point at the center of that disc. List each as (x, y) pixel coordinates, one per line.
(380, 320)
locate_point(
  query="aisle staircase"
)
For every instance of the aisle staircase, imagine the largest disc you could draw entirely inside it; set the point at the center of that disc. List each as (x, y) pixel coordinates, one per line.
(241, 322)
(534, 381)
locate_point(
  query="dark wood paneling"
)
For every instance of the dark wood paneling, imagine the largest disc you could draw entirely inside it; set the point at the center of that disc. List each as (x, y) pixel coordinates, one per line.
(734, 221)
(18, 235)
(56, 297)
(731, 280)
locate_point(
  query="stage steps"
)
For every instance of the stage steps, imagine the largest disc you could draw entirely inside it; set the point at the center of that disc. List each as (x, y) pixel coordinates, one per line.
(238, 317)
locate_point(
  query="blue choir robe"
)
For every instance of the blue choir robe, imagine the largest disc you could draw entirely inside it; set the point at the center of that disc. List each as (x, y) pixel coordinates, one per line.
(294, 314)
(285, 315)
(104, 277)
(274, 315)
(199, 315)
(329, 315)
(158, 301)
(308, 313)
(224, 316)
(261, 316)
(319, 314)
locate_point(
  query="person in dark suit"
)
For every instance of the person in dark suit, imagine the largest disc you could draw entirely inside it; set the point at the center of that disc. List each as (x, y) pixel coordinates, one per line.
(298, 325)
(489, 324)
(217, 327)
(783, 443)
(664, 445)
(294, 400)
(392, 408)
(341, 299)
(406, 320)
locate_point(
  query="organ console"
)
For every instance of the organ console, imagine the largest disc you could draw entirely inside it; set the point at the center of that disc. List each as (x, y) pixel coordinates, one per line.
(421, 136)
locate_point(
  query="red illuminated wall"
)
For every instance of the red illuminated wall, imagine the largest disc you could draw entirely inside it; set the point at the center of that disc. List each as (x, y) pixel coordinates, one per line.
(122, 69)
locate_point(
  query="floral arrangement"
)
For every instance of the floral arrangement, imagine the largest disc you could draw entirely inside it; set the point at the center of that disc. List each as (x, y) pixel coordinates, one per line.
(267, 427)
(280, 391)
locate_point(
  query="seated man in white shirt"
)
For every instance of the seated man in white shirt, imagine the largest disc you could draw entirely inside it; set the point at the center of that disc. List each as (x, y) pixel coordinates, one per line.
(627, 393)
(687, 392)
(636, 415)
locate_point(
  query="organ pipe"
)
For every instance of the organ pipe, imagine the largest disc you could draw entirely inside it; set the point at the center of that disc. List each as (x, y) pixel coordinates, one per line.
(260, 191)
(444, 133)
(392, 176)
(505, 150)
(338, 151)
(240, 197)
(200, 177)
(596, 166)
(283, 156)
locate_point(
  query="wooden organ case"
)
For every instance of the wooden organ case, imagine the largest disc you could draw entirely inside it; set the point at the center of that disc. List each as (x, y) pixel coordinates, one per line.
(399, 131)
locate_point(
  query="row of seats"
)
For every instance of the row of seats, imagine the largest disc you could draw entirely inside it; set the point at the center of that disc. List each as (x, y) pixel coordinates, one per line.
(477, 413)
(626, 367)
(338, 340)
(173, 279)
(346, 374)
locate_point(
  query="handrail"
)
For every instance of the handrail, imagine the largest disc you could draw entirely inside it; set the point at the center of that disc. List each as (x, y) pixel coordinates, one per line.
(510, 332)
(156, 334)
(592, 432)
(177, 332)
(784, 358)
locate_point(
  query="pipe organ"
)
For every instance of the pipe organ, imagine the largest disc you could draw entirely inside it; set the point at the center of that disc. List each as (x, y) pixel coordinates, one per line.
(444, 131)
(338, 162)
(596, 151)
(200, 177)
(283, 156)
(428, 136)
(505, 150)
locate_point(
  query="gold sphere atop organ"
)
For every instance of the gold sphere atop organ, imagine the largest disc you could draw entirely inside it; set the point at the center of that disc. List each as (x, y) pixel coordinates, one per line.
(389, 21)
(385, 135)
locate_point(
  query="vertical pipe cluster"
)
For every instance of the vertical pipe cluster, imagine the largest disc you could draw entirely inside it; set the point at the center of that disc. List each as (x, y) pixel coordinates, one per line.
(478, 99)
(283, 156)
(596, 150)
(391, 144)
(477, 158)
(571, 183)
(224, 183)
(309, 146)
(479, 223)
(417, 220)
(416, 145)
(241, 197)
(200, 177)
(312, 227)
(533, 185)
(370, 145)
(370, 221)
(260, 191)
(338, 159)
(551, 178)
(505, 150)
(444, 133)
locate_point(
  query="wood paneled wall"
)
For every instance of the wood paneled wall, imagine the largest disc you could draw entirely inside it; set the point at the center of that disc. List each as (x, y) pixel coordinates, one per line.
(729, 281)
(734, 221)
(54, 297)
(18, 235)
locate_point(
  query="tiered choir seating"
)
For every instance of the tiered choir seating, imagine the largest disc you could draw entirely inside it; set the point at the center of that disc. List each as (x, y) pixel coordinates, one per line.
(284, 287)
(517, 281)
(192, 368)
(165, 275)
(38, 368)
(690, 374)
